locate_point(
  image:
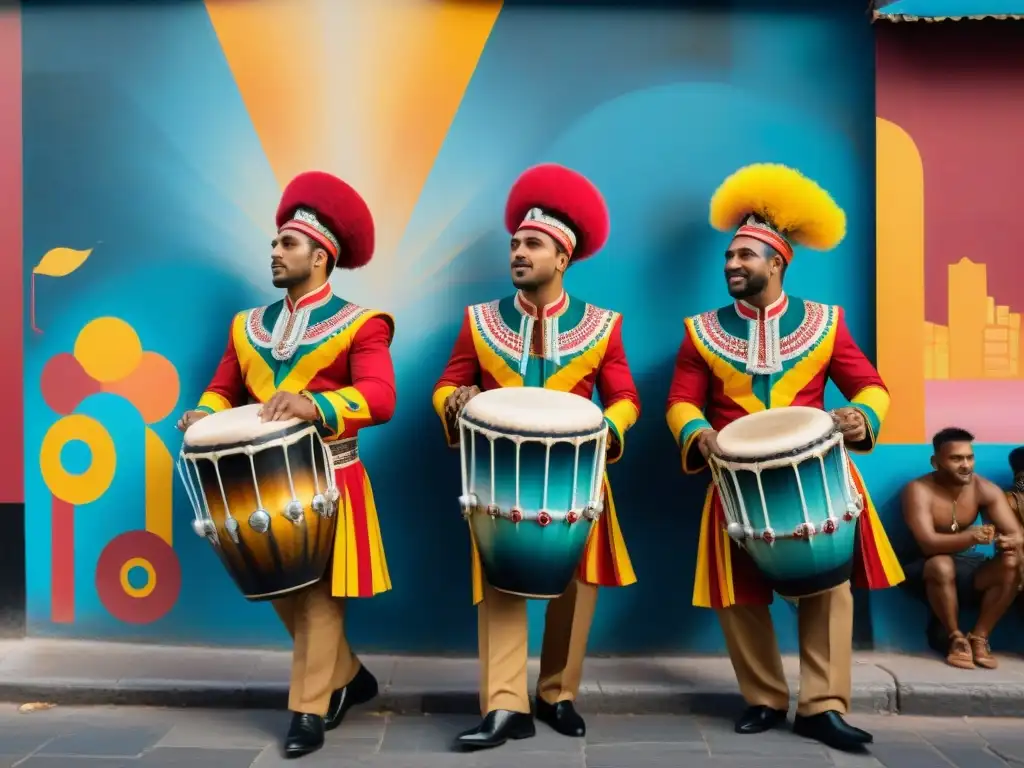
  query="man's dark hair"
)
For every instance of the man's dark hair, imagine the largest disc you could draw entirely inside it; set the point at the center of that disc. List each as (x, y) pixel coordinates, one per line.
(951, 435)
(315, 246)
(1017, 460)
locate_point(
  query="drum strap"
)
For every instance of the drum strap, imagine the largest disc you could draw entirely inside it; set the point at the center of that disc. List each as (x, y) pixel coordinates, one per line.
(344, 452)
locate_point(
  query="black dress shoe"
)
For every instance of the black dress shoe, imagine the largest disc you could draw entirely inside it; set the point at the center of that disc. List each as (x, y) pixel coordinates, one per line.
(760, 719)
(829, 728)
(360, 690)
(495, 729)
(562, 716)
(305, 735)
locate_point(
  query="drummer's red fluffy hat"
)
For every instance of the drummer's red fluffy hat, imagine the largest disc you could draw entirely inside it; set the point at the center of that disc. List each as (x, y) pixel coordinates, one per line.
(328, 210)
(562, 203)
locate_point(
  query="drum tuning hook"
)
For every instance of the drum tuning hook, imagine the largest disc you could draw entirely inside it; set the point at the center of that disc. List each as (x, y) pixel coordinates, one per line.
(322, 506)
(805, 530)
(295, 511)
(231, 525)
(204, 528)
(259, 521)
(467, 503)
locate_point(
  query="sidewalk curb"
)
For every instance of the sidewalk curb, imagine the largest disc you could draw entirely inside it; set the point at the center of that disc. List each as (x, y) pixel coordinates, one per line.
(99, 673)
(938, 700)
(872, 699)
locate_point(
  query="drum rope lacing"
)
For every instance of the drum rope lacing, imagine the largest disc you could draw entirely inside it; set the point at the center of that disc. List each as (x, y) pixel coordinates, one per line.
(742, 528)
(322, 503)
(470, 500)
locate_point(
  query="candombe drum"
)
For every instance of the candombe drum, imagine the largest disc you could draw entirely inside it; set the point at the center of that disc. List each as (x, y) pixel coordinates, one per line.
(784, 479)
(264, 496)
(532, 485)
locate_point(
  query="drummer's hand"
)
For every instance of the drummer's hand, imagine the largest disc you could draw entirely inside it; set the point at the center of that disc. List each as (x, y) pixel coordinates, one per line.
(457, 400)
(188, 418)
(288, 405)
(707, 442)
(852, 424)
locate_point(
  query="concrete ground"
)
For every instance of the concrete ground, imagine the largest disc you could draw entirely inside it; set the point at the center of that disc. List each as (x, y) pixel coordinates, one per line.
(73, 672)
(127, 737)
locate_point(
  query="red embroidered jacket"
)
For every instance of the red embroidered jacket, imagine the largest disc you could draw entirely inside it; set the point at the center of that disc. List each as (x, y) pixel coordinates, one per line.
(336, 352)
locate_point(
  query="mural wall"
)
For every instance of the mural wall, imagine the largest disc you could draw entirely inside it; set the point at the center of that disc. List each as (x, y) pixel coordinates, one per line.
(950, 109)
(12, 493)
(156, 142)
(948, 271)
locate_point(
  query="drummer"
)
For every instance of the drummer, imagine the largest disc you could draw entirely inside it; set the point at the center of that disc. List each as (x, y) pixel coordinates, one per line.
(770, 350)
(542, 337)
(315, 356)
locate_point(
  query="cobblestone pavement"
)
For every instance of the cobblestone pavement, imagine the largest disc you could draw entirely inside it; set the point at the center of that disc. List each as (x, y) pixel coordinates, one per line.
(112, 737)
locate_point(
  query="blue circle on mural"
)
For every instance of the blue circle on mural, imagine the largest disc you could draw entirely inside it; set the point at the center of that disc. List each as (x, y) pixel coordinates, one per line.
(137, 577)
(76, 457)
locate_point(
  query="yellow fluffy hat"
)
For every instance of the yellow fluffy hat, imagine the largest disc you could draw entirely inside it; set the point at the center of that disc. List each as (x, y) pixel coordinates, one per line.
(779, 206)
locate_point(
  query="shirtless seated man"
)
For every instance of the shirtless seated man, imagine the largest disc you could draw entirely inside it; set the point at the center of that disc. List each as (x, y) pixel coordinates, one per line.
(940, 509)
(1016, 494)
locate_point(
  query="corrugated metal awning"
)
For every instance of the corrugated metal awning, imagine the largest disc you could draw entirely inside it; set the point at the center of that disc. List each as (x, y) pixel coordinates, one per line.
(943, 10)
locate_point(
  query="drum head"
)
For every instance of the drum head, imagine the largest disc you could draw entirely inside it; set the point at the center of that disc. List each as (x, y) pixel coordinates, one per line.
(534, 411)
(235, 426)
(773, 432)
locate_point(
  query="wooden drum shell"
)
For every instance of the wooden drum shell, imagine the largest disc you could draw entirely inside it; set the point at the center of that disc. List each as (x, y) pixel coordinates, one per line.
(287, 556)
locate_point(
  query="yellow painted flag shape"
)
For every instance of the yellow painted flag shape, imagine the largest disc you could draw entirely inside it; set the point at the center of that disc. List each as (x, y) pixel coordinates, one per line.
(56, 262)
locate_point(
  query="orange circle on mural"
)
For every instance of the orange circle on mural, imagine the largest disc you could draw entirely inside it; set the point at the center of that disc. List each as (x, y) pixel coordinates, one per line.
(108, 348)
(153, 387)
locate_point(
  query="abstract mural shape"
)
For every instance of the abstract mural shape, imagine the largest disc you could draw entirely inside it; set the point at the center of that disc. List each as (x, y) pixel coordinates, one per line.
(900, 288)
(380, 129)
(159, 592)
(109, 358)
(64, 383)
(12, 296)
(154, 403)
(84, 487)
(108, 349)
(949, 312)
(57, 262)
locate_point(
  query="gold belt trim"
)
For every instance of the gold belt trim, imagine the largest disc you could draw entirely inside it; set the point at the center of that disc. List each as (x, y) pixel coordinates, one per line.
(344, 452)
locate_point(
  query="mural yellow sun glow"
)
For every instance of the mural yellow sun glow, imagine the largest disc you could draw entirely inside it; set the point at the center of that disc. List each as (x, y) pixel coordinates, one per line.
(374, 113)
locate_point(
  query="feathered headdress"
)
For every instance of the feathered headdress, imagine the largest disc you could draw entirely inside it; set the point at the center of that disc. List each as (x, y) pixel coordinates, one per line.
(778, 206)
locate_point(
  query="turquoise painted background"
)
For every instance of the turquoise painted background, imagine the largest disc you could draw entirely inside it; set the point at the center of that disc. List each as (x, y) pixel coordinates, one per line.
(137, 142)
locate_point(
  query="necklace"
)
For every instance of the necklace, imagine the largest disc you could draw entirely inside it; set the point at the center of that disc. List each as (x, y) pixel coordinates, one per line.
(954, 524)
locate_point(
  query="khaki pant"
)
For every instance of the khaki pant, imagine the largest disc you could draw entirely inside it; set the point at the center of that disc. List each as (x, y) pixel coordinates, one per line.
(826, 640)
(502, 635)
(322, 661)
